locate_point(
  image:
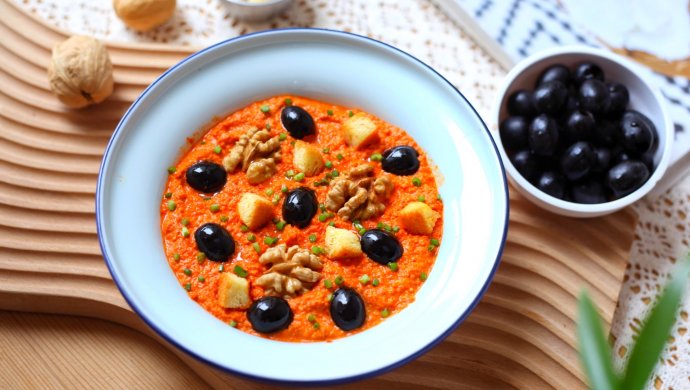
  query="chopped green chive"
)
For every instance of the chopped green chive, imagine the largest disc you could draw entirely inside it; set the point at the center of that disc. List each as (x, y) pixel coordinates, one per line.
(187, 271)
(239, 271)
(328, 164)
(283, 188)
(280, 225)
(331, 224)
(396, 229)
(329, 112)
(327, 283)
(324, 216)
(339, 280)
(276, 199)
(339, 156)
(438, 196)
(311, 318)
(289, 174)
(384, 313)
(376, 157)
(185, 221)
(430, 248)
(288, 102)
(375, 282)
(168, 195)
(203, 142)
(265, 109)
(312, 238)
(268, 126)
(244, 228)
(256, 247)
(416, 182)
(207, 198)
(217, 149)
(421, 198)
(269, 192)
(172, 170)
(176, 257)
(185, 231)
(361, 231)
(201, 278)
(316, 325)
(214, 208)
(422, 276)
(326, 150)
(251, 237)
(221, 268)
(200, 257)
(434, 242)
(224, 218)
(188, 286)
(330, 297)
(299, 176)
(322, 207)
(270, 240)
(172, 205)
(317, 250)
(233, 323)
(335, 173)
(350, 114)
(393, 266)
(282, 137)
(364, 279)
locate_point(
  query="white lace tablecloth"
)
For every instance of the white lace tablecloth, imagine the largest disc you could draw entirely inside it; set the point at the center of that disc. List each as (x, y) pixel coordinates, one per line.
(418, 27)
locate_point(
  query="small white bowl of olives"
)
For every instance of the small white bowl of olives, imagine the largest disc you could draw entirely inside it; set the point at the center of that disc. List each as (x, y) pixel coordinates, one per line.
(581, 131)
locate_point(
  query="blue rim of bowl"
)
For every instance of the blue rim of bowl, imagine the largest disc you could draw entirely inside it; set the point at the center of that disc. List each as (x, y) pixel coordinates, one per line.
(266, 379)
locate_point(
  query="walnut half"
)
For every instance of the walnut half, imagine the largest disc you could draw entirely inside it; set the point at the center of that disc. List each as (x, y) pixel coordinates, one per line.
(292, 272)
(358, 195)
(256, 153)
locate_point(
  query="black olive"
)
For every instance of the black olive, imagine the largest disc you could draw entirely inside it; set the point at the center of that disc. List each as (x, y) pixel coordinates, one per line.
(514, 132)
(648, 160)
(347, 309)
(556, 72)
(206, 176)
(587, 71)
(299, 207)
(602, 159)
(572, 103)
(606, 133)
(637, 136)
(550, 98)
(552, 183)
(589, 192)
(269, 314)
(214, 241)
(521, 103)
(620, 156)
(526, 163)
(400, 160)
(618, 99)
(543, 135)
(579, 126)
(594, 96)
(381, 246)
(626, 177)
(577, 160)
(297, 121)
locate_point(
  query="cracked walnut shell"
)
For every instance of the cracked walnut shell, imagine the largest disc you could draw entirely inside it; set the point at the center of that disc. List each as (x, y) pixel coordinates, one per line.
(80, 72)
(144, 15)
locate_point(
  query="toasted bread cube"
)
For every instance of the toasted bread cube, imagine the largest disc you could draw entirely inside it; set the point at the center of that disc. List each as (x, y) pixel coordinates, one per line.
(360, 130)
(418, 218)
(307, 158)
(233, 291)
(254, 210)
(342, 243)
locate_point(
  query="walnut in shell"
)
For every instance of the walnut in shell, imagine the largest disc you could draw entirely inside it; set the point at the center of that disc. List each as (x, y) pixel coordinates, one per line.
(144, 15)
(80, 72)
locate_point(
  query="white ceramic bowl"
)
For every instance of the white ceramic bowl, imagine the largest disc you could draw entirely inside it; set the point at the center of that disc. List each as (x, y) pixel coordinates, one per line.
(257, 11)
(644, 97)
(335, 67)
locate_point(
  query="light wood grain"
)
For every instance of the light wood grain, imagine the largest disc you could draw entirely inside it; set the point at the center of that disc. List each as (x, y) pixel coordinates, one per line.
(522, 335)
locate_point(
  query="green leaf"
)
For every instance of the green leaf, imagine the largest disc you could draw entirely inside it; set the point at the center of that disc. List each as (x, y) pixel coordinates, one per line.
(655, 331)
(595, 351)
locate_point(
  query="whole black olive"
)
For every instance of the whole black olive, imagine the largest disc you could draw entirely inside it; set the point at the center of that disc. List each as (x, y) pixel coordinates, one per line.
(577, 160)
(526, 163)
(556, 72)
(347, 309)
(572, 103)
(594, 96)
(297, 121)
(587, 71)
(606, 133)
(521, 103)
(299, 207)
(589, 192)
(543, 135)
(214, 241)
(552, 183)
(400, 160)
(620, 155)
(648, 160)
(381, 246)
(618, 99)
(637, 136)
(549, 98)
(626, 177)
(602, 161)
(270, 314)
(513, 132)
(206, 176)
(579, 126)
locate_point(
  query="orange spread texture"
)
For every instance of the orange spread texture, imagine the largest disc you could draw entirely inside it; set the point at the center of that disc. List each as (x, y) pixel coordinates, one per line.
(395, 289)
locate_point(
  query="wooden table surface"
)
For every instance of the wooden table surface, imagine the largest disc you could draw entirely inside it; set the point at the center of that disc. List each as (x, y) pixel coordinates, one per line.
(521, 335)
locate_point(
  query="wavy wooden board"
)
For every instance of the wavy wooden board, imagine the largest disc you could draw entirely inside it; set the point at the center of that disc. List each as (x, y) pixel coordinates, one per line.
(522, 334)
